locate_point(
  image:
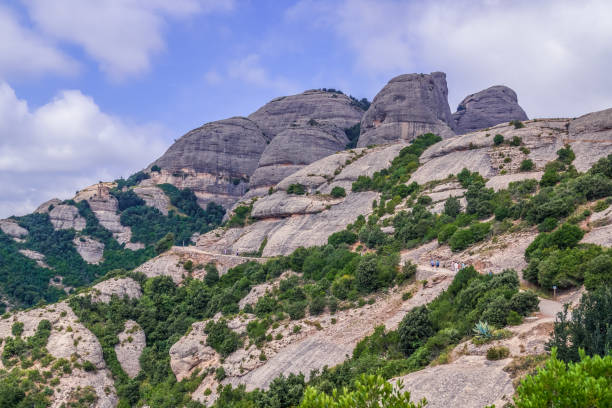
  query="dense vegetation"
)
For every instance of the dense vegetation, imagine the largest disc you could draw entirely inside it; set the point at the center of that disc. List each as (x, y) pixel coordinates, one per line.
(26, 284)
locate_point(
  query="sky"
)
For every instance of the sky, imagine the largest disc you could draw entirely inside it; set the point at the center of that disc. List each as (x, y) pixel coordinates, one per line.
(97, 89)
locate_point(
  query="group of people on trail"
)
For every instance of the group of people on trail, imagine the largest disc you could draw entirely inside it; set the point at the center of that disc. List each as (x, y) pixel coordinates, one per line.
(455, 266)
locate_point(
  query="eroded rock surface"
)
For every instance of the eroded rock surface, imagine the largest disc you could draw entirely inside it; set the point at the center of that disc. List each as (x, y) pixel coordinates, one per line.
(68, 338)
(121, 287)
(131, 343)
(154, 197)
(301, 144)
(326, 107)
(12, 229)
(487, 108)
(215, 160)
(64, 216)
(91, 251)
(36, 256)
(408, 106)
(591, 138)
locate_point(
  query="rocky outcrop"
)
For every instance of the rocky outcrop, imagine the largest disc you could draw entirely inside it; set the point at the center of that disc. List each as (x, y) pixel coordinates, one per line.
(408, 106)
(12, 229)
(48, 205)
(68, 339)
(64, 216)
(120, 287)
(36, 256)
(299, 145)
(191, 352)
(591, 138)
(326, 107)
(215, 160)
(91, 251)
(131, 343)
(153, 197)
(490, 107)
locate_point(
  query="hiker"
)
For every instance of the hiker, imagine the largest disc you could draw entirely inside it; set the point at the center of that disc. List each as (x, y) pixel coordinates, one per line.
(462, 265)
(437, 263)
(432, 262)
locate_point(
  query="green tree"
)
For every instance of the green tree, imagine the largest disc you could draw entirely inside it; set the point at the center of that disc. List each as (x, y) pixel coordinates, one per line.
(338, 192)
(369, 391)
(587, 383)
(452, 207)
(165, 243)
(498, 139)
(414, 329)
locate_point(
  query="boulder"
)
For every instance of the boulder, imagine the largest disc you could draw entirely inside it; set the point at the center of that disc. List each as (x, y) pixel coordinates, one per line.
(153, 197)
(215, 160)
(492, 106)
(90, 250)
(132, 341)
(591, 138)
(322, 106)
(408, 106)
(64, 216)
(12, 229)
(121, 287)
(293, 148)
(35, 256)
(44, 207)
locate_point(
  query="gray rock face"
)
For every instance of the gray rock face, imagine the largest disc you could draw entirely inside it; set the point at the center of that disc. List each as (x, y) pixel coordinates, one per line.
(215, 160)
(487, 108)
(12, 229)
(408, 106)
(293, 148)
(66, 217)
(44, 207)
(90, 250)
(154, 197)
(121, 287)
(591, 138)
(132, 341)
(278, 114)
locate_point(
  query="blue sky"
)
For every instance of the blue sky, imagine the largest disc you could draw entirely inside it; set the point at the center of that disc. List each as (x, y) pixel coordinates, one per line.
(96, 89)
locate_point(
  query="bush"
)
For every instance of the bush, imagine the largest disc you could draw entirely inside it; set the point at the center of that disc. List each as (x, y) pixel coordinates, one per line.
(414, 329)
(517, 124)
(601, 205)
(317, 305)
(514, 318)
(17, 329)
(155, 168)
(585, 383)
(524, 302)
(296, 310)
(342, 237)
(498, 140)
(366, 275)
(598, 272)
(452, 207)
(165, 243)
(221, 338)
(516, 141)
(497, 353)
(588, 329)
(338, 192)
(527, 165)
(548, 224)
(368, 391)
(446, 232)
(566, 155)
(496, 312)
(297, 189)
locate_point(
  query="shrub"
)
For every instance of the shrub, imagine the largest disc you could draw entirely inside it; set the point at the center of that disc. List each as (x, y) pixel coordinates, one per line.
(497, 353)
(446, 232)
(17, 329)
(452, 207)
(496, 311)
(414, 329)
(296, 310)
(155, 168)
(297, 189)
(498, 140)
(524, 302)
(566, 155)
(212, 274)
(338, 192)
(527, 165)
(317, 305)
(165, 243)
(514, 318)
(516, 141)
(424, 200)
(598, 272)
(517, 124)
(366, 275)
(342, 237)
(221, 338)
(369, 391)
(585, 383)
(601, 205)
(588, 329)
(548, 224)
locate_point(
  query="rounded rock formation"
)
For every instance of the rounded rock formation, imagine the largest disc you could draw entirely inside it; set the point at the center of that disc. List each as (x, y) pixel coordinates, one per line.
(492, 106)
(408, 106)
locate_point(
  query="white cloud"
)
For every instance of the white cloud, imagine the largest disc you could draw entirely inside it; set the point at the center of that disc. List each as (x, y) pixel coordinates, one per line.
(250, 70)
(555, 54)
(24, 52)
(121, 35)
(65, 145)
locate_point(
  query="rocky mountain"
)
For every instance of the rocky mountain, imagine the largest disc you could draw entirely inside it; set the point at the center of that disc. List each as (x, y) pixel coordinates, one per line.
(321, 271)
(408, 106)
(490, 107)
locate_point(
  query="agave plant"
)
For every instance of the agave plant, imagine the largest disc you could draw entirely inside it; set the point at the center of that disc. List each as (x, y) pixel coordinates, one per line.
(483, 330)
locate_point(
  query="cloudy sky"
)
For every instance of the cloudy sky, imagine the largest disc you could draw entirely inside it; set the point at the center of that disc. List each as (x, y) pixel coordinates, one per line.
(96, 89)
